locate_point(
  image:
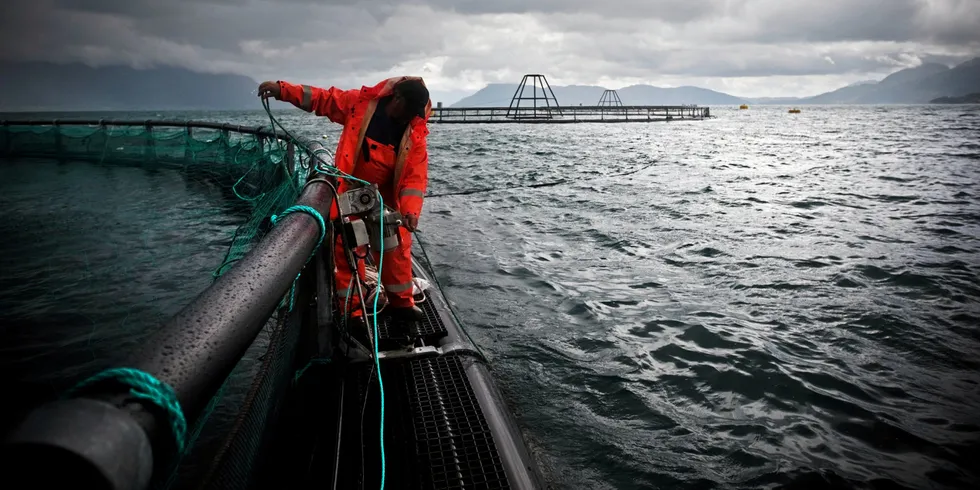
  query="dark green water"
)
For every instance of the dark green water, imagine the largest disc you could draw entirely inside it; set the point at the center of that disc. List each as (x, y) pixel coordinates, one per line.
(776, 298)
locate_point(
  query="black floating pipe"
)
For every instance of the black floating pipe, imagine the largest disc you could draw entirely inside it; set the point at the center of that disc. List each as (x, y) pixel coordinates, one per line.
(256, 131)
(106, 438)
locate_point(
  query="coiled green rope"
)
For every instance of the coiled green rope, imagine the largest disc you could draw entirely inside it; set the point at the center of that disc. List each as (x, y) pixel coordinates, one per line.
(144, 386)
(323, 231)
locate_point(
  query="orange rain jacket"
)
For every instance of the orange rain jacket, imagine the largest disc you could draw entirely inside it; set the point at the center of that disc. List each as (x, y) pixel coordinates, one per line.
(354, 108)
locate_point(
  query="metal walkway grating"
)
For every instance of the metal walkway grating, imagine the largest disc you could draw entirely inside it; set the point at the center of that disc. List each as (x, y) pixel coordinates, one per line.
(431, 328)
(454, 446)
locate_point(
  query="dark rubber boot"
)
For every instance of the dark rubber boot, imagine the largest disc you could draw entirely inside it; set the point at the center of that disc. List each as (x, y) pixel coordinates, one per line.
(413, 313)
(406, 322)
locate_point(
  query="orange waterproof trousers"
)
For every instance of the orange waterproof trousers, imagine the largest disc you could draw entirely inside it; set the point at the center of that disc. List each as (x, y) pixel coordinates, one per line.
(396, 268)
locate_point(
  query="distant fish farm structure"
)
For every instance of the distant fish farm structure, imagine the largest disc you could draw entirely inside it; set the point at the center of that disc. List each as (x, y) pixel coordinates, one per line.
(535, 102)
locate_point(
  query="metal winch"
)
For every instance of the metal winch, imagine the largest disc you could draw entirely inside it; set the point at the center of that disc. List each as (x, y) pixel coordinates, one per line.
(360, 211)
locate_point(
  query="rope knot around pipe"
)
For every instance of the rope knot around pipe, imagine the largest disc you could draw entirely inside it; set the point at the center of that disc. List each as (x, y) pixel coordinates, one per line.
(144, 386)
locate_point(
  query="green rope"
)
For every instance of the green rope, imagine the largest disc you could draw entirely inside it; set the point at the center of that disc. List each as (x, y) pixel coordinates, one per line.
(323, 231)
(335, 172)
(145, 387)
(316, 361)
(234, 188)
(273, 121)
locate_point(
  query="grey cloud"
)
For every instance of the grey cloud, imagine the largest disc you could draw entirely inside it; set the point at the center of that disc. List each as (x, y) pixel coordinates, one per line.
(834, 20)
(333, 36)
(780, 21)
(863, 20)
(223, 24)
(666, 10)
(951, 21)
(579, 41)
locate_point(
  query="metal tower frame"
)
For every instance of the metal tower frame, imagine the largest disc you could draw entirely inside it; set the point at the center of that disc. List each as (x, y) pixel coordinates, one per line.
(610, 98)
(550, 103)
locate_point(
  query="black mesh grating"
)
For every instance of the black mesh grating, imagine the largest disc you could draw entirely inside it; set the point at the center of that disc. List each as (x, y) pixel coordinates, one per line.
(432, 325)
(454, 446)
(431, 328)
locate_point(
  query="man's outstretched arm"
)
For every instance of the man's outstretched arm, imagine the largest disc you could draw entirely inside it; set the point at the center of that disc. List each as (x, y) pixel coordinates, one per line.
(332, 102)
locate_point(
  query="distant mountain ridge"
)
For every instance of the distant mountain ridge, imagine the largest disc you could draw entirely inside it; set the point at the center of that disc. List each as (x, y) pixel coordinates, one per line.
(36, 86)
(917, 85)
(76, 87)
(973, 98)
(500, 95)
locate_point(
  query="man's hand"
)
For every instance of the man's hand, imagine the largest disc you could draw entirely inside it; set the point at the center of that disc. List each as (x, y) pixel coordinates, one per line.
(410, 222)
(269, 89)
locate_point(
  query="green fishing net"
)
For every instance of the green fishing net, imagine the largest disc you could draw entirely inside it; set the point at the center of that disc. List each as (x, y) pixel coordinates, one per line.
(261, 175)
(247, 163)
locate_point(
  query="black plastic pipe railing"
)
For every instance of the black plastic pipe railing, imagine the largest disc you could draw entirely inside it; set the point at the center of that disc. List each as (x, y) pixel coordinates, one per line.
(257, 131)
(107, 439)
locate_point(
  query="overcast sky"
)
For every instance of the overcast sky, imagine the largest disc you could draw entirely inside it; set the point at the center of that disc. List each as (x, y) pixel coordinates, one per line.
(743, 47)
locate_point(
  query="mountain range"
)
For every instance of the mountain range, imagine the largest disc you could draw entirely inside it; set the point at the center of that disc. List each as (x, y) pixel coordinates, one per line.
(973, 98)
(38, 87)
(918, 85)
(500, 94)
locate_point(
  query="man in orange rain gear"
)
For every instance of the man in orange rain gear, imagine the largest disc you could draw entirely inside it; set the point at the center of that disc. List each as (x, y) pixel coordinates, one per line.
(383, 142)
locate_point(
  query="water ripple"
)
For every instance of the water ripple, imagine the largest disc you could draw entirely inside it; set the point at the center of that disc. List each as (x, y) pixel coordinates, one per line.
(778, 301)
